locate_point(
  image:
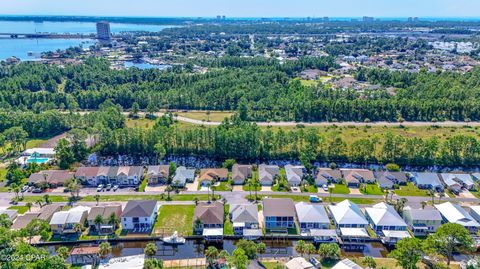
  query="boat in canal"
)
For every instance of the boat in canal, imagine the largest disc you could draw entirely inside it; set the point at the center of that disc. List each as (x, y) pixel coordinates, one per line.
(174, 239)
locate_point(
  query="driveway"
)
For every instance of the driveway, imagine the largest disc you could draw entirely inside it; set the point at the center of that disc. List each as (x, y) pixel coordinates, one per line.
(237, 188)
(266, 188)
(466, 194)
(155, 188)
(355, 191)
(192, 186)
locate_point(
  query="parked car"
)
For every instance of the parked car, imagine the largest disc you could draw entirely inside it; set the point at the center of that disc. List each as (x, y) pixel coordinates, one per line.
(325, 187)
(109, 187)
(115, 188)
(315, 262)
(100, 188)
(24, 188)
(37, 190)
(30, 189)
(315, 199)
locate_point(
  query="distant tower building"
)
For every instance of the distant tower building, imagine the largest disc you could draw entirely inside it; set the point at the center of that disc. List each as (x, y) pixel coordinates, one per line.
(103, 30)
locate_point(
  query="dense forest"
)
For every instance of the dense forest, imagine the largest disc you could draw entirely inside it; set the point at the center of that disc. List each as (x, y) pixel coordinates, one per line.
(262, 89)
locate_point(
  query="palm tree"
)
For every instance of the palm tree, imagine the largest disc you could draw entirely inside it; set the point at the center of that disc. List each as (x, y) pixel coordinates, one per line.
(431, 192)
(150, 250)
(77, 227)
(211, 253)
(256, 184)
(440, 196)
(29, 206)
(39, 202)
(250, 188)
(97, 198)
(310, 249)
(424, 204)
(113, 220)
(213, 192)
(46, 198)
(330, 190)
(300, 247)
(168, 189)
(16, 189)
(98, 221)
(62, 252)
(104, 249)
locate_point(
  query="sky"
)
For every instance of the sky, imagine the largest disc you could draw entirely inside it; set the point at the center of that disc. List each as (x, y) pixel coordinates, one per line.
(244, 8)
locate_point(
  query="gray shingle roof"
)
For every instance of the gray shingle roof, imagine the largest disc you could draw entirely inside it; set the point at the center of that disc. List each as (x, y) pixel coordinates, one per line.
(139, 208)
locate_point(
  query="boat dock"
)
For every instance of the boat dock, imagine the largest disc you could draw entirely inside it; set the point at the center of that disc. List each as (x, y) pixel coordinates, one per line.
(185, 263)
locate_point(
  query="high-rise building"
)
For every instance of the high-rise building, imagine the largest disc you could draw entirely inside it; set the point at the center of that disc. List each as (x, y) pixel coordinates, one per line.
(103, 30)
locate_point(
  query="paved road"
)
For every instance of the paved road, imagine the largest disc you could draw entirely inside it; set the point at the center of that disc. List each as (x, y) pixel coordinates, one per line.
(239, 196)
(319, 124)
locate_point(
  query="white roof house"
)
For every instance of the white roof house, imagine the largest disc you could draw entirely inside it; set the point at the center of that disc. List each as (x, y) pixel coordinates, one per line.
(347, 214)
(384, 217)
(309, 213)
(454, 213)
(346, 264)
(465, 180)
(130, 262)
(299, 263)
(294, 174)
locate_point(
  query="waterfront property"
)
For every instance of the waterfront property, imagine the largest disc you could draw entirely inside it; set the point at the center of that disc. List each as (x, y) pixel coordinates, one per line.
(353, 177)
(346, 264)
(279, 215)
(139, 216)
(422, 221)
(45, 213)
(349, 221)
(386, 179)
(183, 176)
(299, 263)
(240, 173)
(327, 175)
(427, 180)
(208, 219)
(387, 223)
(208, 176)
(11, 213)
(66, 222)
(244, 217)
(294, 174)
(267, 174)
(53, 178)
(158, 174)
(454, 213)
(311, 216)
(109, 215)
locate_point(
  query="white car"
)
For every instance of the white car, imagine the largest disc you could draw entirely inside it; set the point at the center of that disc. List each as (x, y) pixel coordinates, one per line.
(325, 187)
(100, 188)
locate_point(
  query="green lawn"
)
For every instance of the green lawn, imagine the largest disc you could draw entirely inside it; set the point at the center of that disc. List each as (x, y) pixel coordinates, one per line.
(341, 189)
(247, 187)
(123, 198)
(175, 218)
(143, 185)
(140, 123)
(410, 190)
(223, 186)
(304, 198)
(20, 208)
(227, 226)
(372, 189)
(310, 189)
(206, 116)
(3, 173)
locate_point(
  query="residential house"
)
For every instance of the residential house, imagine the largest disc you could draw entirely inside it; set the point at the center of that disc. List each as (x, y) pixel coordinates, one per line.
(23, 220)
(54, 178)
(387, 179)
(102, 175)
(240, 173)
(294, 174)
(476, 176)
(207, 176)
(426, 180)
(311, 216)
(45, 213)
(65, 222)
(11, 213)
(349, 221)
(88, 175)
(112, 175)
(279, 214)
(422, 221)
(464, 180)
(139, 216)
(107, 226)
(452, 185)
(346, 264)
(243, 217)
(183, 176)
(267, 174)
(326, 176)
(299, 263)
(475, 212)
(158, 174)
(354, 177)
(208, 216)
(454, 213)
(386, 222)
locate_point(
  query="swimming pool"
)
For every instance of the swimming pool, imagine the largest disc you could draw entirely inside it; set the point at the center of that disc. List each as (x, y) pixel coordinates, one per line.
(37, 160)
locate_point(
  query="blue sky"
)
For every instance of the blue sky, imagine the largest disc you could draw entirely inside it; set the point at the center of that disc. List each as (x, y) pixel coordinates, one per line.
(245, 8)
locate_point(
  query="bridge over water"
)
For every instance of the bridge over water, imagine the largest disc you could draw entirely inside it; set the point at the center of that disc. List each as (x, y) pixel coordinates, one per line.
(45, 35)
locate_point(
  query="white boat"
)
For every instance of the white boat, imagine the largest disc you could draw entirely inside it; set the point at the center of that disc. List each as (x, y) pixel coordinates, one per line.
(174, 239)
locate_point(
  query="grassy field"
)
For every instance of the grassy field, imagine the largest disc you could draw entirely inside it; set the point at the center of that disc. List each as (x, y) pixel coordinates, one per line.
(299, 198)
(21, 209)
(372, 189)
(227, 225)
(175, 218)
(310, 189)
(3, 173)
(410, 190)
(205, 116)
(123, 198)
(341, 189)
(140, 123)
